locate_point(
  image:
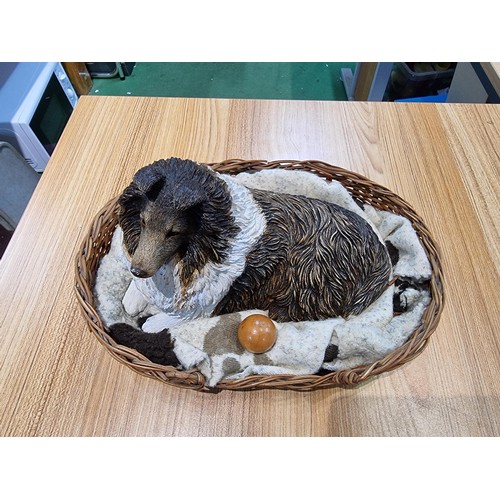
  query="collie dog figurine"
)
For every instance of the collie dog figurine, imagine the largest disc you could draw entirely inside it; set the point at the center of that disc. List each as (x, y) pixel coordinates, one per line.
(232, 248)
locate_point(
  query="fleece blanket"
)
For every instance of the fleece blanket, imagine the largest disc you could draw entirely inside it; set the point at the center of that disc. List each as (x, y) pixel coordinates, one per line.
(210, 344)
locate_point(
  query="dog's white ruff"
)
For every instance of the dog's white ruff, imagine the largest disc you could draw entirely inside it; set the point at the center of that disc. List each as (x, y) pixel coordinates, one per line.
(214, 280)
(301, 346)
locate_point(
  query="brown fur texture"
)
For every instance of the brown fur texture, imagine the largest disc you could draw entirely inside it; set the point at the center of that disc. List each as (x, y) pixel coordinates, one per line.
(315, 260)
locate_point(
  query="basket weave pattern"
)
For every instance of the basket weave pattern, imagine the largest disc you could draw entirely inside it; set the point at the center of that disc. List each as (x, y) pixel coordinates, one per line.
(96, 245)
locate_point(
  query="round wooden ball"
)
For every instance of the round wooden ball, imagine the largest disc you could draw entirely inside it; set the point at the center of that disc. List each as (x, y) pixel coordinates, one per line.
(257, 333)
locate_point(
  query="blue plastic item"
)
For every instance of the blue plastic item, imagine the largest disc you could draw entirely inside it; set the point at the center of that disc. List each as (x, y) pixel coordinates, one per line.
(427, 98)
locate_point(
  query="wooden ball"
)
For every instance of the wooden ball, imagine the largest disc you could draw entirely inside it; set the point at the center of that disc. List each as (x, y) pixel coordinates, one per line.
(257, 333)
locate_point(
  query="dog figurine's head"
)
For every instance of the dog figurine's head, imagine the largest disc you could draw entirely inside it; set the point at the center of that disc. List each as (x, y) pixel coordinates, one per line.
(157, 213)
(165, 209)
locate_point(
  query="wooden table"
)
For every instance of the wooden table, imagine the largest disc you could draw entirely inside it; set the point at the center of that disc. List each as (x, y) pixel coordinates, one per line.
(57, 380)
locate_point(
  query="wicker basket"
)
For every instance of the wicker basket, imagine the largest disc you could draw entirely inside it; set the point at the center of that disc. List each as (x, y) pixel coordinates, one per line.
(98, 239)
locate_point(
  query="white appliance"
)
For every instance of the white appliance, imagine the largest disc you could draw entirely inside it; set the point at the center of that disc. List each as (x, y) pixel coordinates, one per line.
(36, 101)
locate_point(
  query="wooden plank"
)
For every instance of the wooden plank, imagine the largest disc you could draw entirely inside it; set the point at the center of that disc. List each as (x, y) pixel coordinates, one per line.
(364, 81)
(79, 76)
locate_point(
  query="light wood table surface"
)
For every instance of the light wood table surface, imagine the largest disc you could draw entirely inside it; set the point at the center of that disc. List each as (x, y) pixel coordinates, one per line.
(57, 380)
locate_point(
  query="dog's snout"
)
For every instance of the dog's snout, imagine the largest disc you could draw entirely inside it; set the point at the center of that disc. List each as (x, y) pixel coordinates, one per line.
(139, 273)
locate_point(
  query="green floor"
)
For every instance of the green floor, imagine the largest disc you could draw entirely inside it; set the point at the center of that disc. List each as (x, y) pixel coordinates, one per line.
(247, 80)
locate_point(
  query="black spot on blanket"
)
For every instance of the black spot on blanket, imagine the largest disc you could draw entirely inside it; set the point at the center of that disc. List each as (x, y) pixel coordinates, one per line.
(393, 252)
(157, 347)
(400, 301)
(331, 353)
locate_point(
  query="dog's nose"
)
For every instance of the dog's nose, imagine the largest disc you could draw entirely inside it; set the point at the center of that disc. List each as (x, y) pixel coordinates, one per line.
(139, 273)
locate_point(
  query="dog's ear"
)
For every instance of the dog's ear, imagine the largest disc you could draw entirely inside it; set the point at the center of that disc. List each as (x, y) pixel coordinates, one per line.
(149, 182)
(188, 196)
(154, 189)
(130, 197)
(129, 207)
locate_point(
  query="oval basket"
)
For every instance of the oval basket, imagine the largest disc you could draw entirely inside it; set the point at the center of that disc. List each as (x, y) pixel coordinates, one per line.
(98, 239)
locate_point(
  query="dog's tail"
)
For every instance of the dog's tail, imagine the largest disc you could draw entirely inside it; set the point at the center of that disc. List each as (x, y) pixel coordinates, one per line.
(157, 347)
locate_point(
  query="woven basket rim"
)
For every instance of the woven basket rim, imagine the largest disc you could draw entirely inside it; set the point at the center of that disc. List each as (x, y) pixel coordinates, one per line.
(98, 238)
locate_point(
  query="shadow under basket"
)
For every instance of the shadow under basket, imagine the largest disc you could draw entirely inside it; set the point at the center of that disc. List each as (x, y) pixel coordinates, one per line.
(97, 242)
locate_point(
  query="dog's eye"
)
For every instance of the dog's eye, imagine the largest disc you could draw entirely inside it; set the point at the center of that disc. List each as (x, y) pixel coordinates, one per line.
(172, 232)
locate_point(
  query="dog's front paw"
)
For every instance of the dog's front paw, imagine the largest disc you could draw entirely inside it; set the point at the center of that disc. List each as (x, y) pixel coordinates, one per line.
(134, 301)
(161, 321)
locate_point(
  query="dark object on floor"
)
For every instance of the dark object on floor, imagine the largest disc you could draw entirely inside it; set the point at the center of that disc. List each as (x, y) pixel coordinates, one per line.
(110, 69)
(419, 79)
(5, 236)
